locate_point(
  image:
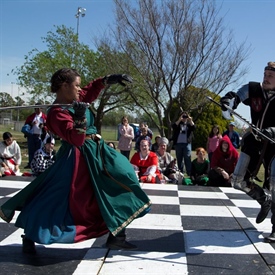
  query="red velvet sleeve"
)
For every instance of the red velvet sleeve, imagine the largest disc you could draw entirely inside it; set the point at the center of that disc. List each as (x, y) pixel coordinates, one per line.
(91, 92)
(60, 122)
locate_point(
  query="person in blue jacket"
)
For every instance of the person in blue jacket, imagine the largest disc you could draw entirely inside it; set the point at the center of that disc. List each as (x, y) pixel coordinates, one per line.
(233, 135)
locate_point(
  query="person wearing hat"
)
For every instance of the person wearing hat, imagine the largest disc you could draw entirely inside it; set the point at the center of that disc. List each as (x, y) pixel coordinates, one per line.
(167, 164)
(43, 157)
(233, 135)
(260, 97)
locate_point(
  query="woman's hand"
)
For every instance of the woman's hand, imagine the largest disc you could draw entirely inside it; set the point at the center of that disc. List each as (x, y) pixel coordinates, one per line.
(225, 175)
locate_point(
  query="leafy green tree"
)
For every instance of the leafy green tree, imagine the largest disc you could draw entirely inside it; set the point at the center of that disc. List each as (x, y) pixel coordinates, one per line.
(64, 50)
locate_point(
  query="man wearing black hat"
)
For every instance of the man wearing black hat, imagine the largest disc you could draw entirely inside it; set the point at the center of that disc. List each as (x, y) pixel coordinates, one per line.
(233, 135)
(260, 97)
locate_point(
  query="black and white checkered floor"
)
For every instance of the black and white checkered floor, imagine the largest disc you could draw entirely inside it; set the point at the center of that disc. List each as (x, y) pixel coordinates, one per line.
(190, 230)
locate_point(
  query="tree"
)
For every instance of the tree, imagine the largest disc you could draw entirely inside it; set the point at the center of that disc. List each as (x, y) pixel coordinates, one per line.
(64, 50)
(172, 46)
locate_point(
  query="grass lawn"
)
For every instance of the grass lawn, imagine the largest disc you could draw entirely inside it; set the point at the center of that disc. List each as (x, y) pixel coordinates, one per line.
(107, 135)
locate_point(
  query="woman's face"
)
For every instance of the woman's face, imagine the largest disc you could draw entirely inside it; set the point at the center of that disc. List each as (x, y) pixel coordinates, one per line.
(215, 130)
(8, 141)
(162, 147)
(49, 147)
(71, 91)
(225, 146)
(201, 153)
(144, 146)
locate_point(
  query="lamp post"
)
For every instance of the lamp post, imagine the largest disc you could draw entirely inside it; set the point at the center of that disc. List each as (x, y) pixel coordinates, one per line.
(11, 97)
(17, 103)
(80, 12)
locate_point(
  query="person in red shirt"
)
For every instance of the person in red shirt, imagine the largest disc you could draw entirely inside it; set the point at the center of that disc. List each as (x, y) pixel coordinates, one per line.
(145, 164)
(223, 162)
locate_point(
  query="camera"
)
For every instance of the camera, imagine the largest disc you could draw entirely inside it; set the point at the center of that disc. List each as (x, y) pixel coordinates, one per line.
(184, 116)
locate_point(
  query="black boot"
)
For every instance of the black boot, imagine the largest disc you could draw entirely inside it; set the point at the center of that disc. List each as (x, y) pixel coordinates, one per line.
(119, 242)
(28, 245)
(271, 237)
(257, 193)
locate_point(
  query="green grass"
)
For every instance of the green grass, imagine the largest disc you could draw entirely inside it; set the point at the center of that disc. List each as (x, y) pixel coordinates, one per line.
(107, 133)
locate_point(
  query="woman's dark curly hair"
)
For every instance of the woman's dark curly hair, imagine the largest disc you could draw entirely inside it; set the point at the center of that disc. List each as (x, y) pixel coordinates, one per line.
(61, 76)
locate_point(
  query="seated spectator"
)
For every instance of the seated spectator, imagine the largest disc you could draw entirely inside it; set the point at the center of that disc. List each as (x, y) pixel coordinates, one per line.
(155, 145)
(145, 164)
(10, 156)
(167, 164)
(213, 141)
(43, 157)
(143, 125)
(144, 136)
(199, 168)
(223, 162)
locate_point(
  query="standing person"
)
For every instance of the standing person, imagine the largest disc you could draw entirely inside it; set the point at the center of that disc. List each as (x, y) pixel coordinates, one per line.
(233, 135)
(182, 139)
(260, 98)
(92, 189)
(223, 163)
(126, 136)
(10, 156)
(200, 168)
(43, 157)
(37, 122)
(213, 141)
(145, 163)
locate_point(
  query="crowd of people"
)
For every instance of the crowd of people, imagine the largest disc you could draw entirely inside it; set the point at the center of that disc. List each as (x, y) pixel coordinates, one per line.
(103, 198)
(152, 161)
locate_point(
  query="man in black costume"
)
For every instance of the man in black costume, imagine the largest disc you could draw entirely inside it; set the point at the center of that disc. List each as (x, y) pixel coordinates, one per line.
(260, 97)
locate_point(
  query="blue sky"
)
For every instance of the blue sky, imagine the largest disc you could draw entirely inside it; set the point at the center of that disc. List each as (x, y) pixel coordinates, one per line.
(24, 22)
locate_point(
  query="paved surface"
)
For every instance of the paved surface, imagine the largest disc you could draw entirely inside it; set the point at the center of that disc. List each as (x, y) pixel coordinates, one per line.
(190, 230)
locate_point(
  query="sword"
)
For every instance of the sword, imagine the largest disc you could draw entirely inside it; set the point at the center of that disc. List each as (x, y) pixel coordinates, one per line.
(39, 106)
(252, 126)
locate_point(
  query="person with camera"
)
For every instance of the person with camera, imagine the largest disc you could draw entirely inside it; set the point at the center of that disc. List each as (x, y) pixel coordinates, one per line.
(183, 130)
(260, 97)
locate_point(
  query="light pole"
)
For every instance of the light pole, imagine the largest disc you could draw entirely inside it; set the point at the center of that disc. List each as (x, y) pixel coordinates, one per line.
(11, 97)
(80, 12)
(17, 103)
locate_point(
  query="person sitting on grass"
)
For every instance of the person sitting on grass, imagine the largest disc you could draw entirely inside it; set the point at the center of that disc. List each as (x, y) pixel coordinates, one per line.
(10, 156)
(168, 164)
(145, 164)
(43, 157)
(199, 169)
(223, 163)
